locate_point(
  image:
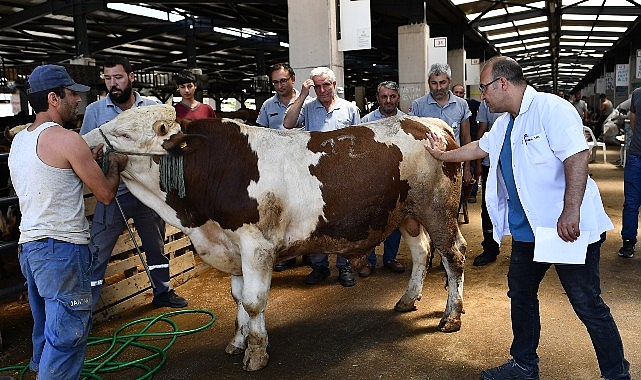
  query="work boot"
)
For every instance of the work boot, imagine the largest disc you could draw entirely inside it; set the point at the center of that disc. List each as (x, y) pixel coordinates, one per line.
(484, 258)
(345, 276)
(627, 250)
(169, 299)
(318, 275)
(283, 265)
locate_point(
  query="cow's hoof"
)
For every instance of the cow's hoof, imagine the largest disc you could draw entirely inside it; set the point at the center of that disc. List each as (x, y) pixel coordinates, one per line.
(449, 324)
(234, 350)
(403, 307)
(254, 361)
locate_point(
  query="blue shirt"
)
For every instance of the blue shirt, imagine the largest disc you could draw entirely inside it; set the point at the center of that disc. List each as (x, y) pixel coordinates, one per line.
(377, 115)
(316, 118)
(453, 113)
(485, 116)
(517, 220)
(272, 112)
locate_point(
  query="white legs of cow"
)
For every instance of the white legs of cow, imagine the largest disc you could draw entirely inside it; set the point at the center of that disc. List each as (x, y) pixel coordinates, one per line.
(453, 259)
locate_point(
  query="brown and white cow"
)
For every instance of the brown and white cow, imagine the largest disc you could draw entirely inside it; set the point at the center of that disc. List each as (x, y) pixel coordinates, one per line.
(255, 196)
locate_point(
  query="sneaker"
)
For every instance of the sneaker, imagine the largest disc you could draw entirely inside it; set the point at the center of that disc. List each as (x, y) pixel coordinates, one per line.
(627, 250)
(510, 371)
(283, 265)
(318, 275)
(345, 276)
(484, 258)
(169, 299)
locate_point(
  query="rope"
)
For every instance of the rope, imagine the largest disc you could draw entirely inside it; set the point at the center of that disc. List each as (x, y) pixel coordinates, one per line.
(128, 345)
(172, 169)
(172, 174)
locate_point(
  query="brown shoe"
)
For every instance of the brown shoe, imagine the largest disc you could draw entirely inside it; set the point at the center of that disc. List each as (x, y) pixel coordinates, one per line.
(366, 271)
(395, 266)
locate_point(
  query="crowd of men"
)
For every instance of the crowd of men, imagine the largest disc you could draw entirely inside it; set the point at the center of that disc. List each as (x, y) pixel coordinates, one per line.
(519, 144)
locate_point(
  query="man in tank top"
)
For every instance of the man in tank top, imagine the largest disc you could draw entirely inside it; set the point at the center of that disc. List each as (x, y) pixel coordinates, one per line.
(49, 166)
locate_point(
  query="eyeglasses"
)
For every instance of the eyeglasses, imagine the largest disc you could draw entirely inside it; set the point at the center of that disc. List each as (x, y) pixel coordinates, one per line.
(280, 81)
(483, 87)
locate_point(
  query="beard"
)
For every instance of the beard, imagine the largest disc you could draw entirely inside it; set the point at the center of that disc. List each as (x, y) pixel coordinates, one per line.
(440, 94)
(121, 96)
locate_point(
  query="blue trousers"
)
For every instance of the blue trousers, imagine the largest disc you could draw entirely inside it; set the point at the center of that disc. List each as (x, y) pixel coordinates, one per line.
(108, 224)
(390, 248)
(582, 286)
(632, 194)
(58, 286)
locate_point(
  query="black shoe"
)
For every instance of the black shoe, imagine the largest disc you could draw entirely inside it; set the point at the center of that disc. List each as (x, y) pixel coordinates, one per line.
(307, 260)
(510, 371)
(627, 250)
(345, 276)
(285, 265)
(170, 299)
(318, 275)
(483, 259)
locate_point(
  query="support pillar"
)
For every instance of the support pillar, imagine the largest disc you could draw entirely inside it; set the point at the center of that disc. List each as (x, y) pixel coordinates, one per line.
(313, 40)
(456, 60)
(412, 63)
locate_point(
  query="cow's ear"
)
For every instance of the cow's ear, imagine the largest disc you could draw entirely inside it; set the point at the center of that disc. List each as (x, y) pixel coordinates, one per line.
(183, 143)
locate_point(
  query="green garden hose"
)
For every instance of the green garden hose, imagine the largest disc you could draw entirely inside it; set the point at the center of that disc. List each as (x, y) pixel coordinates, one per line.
(122, 344)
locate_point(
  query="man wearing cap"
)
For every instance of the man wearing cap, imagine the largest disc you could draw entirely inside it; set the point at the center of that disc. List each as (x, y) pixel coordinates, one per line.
(108, 222)
(49, 165)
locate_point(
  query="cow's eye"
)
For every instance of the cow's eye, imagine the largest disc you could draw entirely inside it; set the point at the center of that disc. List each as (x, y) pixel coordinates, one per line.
(161, 128)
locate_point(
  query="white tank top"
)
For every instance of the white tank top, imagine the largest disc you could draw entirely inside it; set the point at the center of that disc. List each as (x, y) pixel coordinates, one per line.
(51, 199)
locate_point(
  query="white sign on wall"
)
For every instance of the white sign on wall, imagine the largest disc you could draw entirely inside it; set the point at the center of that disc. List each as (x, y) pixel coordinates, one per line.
(622, 74)
(472, 71)
(600, 85)
(356, 25)
(436, 51)
(609, 81)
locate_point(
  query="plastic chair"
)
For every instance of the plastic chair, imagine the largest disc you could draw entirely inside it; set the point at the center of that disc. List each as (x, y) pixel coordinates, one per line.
(593, 143)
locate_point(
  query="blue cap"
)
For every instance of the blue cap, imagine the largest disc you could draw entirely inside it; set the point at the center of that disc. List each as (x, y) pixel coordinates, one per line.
(47, 77)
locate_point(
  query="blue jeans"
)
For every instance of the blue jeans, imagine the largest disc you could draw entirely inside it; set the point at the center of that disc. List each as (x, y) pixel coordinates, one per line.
(390, 248)
(632, 194)
(582, 285)
(58, 285)
(108, 224)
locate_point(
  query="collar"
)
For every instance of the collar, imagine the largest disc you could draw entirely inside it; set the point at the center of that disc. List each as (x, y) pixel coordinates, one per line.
(137, 101)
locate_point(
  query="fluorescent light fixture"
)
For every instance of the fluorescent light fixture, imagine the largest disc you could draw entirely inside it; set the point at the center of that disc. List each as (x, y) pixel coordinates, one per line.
(578, 28)
(145, 11)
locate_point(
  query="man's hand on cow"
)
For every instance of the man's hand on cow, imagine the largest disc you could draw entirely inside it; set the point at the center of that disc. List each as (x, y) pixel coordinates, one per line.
(119, 159)
(435, 144)
(97, 152)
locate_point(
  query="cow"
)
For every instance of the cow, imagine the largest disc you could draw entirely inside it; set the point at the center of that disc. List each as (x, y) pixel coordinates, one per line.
(254, 196)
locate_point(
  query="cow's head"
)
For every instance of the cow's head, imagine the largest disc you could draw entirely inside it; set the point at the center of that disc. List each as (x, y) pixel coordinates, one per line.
(137, 130)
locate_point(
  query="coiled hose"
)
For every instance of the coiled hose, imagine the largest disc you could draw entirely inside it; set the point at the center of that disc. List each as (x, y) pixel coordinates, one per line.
(109, 361)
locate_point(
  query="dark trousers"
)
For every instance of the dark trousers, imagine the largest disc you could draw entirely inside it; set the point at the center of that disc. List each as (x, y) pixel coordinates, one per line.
(489, 245)
(581, 283)
(108, 224)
